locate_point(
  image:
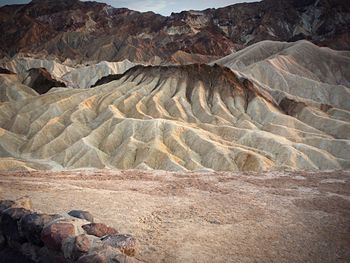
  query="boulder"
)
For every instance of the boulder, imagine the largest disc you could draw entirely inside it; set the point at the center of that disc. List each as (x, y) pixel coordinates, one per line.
(9, 255)
(30, 251)
(2, 242)
(104, 255)
(99, 229)
(31, 226)
(4, 204)
(82, 245)
(75, 247)
(9, 224)
(51, 256)
(93, 258)
(82, 214)
(125, 243)
(53, 234)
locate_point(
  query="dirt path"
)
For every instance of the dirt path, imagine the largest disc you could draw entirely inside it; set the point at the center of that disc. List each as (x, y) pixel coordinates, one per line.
(213, 217)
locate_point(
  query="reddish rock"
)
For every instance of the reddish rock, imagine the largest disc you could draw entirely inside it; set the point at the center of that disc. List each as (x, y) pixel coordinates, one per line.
(82, 245)
(99, 229)
(53, 234)
(125, 243)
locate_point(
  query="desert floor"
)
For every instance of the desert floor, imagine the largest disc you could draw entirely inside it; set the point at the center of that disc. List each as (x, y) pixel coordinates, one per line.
(205, 217)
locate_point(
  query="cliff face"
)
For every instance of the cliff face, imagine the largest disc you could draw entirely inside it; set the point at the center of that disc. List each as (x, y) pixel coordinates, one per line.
(90, 31)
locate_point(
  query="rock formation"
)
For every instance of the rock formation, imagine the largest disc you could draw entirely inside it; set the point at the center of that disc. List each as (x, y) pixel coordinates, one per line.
(80, 76)
(41, 81)
(258, 115)
(28, 236)
(90, 31)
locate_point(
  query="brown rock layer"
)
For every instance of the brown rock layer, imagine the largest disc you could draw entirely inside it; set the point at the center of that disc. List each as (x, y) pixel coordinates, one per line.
(86, 31)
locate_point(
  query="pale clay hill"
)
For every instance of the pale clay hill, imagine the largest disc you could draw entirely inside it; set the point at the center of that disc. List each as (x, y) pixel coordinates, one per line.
(282, 106)
(79, 76)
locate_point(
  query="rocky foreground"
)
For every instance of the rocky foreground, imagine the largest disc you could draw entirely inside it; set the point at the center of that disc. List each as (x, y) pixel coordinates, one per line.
(205, 217)
(29, 236)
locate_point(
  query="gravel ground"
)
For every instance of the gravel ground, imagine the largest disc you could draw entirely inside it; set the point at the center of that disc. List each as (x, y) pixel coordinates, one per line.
(205, 217)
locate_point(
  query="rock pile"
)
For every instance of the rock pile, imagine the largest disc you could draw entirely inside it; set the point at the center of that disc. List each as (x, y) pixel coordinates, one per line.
(72, 237)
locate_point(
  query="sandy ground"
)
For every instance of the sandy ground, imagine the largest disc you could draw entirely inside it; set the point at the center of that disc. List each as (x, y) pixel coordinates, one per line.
(208, 217)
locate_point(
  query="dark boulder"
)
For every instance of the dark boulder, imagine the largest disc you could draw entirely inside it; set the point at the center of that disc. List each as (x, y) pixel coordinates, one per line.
(82, 215)
(9, 223)
(2, 242)
(31, 226)
(4, 204)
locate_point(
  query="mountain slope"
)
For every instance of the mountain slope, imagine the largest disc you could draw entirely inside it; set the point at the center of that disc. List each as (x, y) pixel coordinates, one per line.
(299, 69)
(90, 31)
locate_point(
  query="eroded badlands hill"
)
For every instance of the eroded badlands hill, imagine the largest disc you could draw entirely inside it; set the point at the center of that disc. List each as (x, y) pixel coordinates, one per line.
(193, 117)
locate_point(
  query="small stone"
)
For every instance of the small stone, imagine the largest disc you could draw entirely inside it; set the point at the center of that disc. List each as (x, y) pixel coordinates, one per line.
(125, 243)
(9, 224)
(31, 226)
(82, 215)
(99, 229)
(53, 234)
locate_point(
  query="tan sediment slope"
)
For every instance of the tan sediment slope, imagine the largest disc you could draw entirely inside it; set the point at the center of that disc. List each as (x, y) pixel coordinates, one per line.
(300, 69)
(194, 117)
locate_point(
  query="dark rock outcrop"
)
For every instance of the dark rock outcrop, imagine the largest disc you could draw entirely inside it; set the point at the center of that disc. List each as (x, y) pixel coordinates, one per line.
(27, 236)
(41, 80)
(86, 31)
(5, 71)
(107, 79)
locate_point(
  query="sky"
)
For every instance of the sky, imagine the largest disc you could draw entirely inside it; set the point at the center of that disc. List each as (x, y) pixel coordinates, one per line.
(164, 7)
